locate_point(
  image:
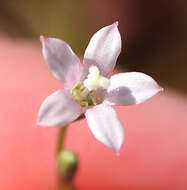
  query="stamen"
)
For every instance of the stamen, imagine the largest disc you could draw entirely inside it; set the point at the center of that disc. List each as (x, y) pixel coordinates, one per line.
(87, 94)
(95, 80)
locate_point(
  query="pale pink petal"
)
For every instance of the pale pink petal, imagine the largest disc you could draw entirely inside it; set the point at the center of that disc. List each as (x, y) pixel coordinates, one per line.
(104, 49)
(58, 109)
(58, 57)
(131, 88)
(105, 126)
(74, 74)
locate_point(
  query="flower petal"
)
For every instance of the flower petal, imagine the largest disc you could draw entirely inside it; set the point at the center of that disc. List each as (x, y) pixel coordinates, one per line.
(58, 57)
(131, 88)
(104, 49)
(104, 124)
(58, 109)
(74, 74)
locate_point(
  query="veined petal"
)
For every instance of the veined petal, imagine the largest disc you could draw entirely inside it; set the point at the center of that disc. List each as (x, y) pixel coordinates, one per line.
(131, 88)
(58, 109)
(58, 57)
(104, 49)
(74, 74)
(105, 126)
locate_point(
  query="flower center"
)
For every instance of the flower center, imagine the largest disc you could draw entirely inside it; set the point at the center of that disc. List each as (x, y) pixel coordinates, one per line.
(87, 93)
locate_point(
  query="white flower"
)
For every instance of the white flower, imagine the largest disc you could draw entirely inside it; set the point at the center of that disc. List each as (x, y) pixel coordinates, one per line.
(88, 88)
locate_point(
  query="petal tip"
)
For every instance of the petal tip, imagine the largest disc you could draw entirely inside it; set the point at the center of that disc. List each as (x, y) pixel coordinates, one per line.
(116, 24)
(40, 125)
(117, 152)
(42, 39)
(161, 89)
(117, 149)
(37, 124)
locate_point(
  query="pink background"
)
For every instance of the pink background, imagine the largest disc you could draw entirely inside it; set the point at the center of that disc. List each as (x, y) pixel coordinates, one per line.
(154, 155)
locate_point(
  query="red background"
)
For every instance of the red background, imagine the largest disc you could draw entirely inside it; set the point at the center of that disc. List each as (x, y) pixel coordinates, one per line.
(154, 155)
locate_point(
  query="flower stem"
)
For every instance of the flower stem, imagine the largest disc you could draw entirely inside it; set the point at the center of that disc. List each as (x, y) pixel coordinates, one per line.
(60, 140)
(67, 162)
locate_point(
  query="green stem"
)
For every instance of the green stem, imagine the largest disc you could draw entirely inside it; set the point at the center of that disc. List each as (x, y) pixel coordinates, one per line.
(67, 162)
(60, 140)
(60, 146)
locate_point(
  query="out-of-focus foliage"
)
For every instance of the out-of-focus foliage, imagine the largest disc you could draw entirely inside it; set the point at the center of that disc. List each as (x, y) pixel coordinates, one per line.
(57, 18)
(154, 32)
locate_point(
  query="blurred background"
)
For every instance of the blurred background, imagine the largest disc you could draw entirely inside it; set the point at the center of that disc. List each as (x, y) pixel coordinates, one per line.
(153, 32)
(154, 155)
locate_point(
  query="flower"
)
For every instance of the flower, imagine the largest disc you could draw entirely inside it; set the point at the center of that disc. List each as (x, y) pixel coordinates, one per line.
(89, 90)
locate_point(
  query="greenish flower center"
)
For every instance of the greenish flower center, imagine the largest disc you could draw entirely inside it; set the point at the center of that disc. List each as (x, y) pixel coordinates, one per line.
(86, 93)
(84, 97)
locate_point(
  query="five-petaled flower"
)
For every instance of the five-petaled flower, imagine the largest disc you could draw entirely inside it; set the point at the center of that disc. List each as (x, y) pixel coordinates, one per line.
(88, 87)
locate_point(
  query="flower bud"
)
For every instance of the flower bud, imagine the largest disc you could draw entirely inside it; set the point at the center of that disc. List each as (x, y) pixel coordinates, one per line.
(67, 164)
